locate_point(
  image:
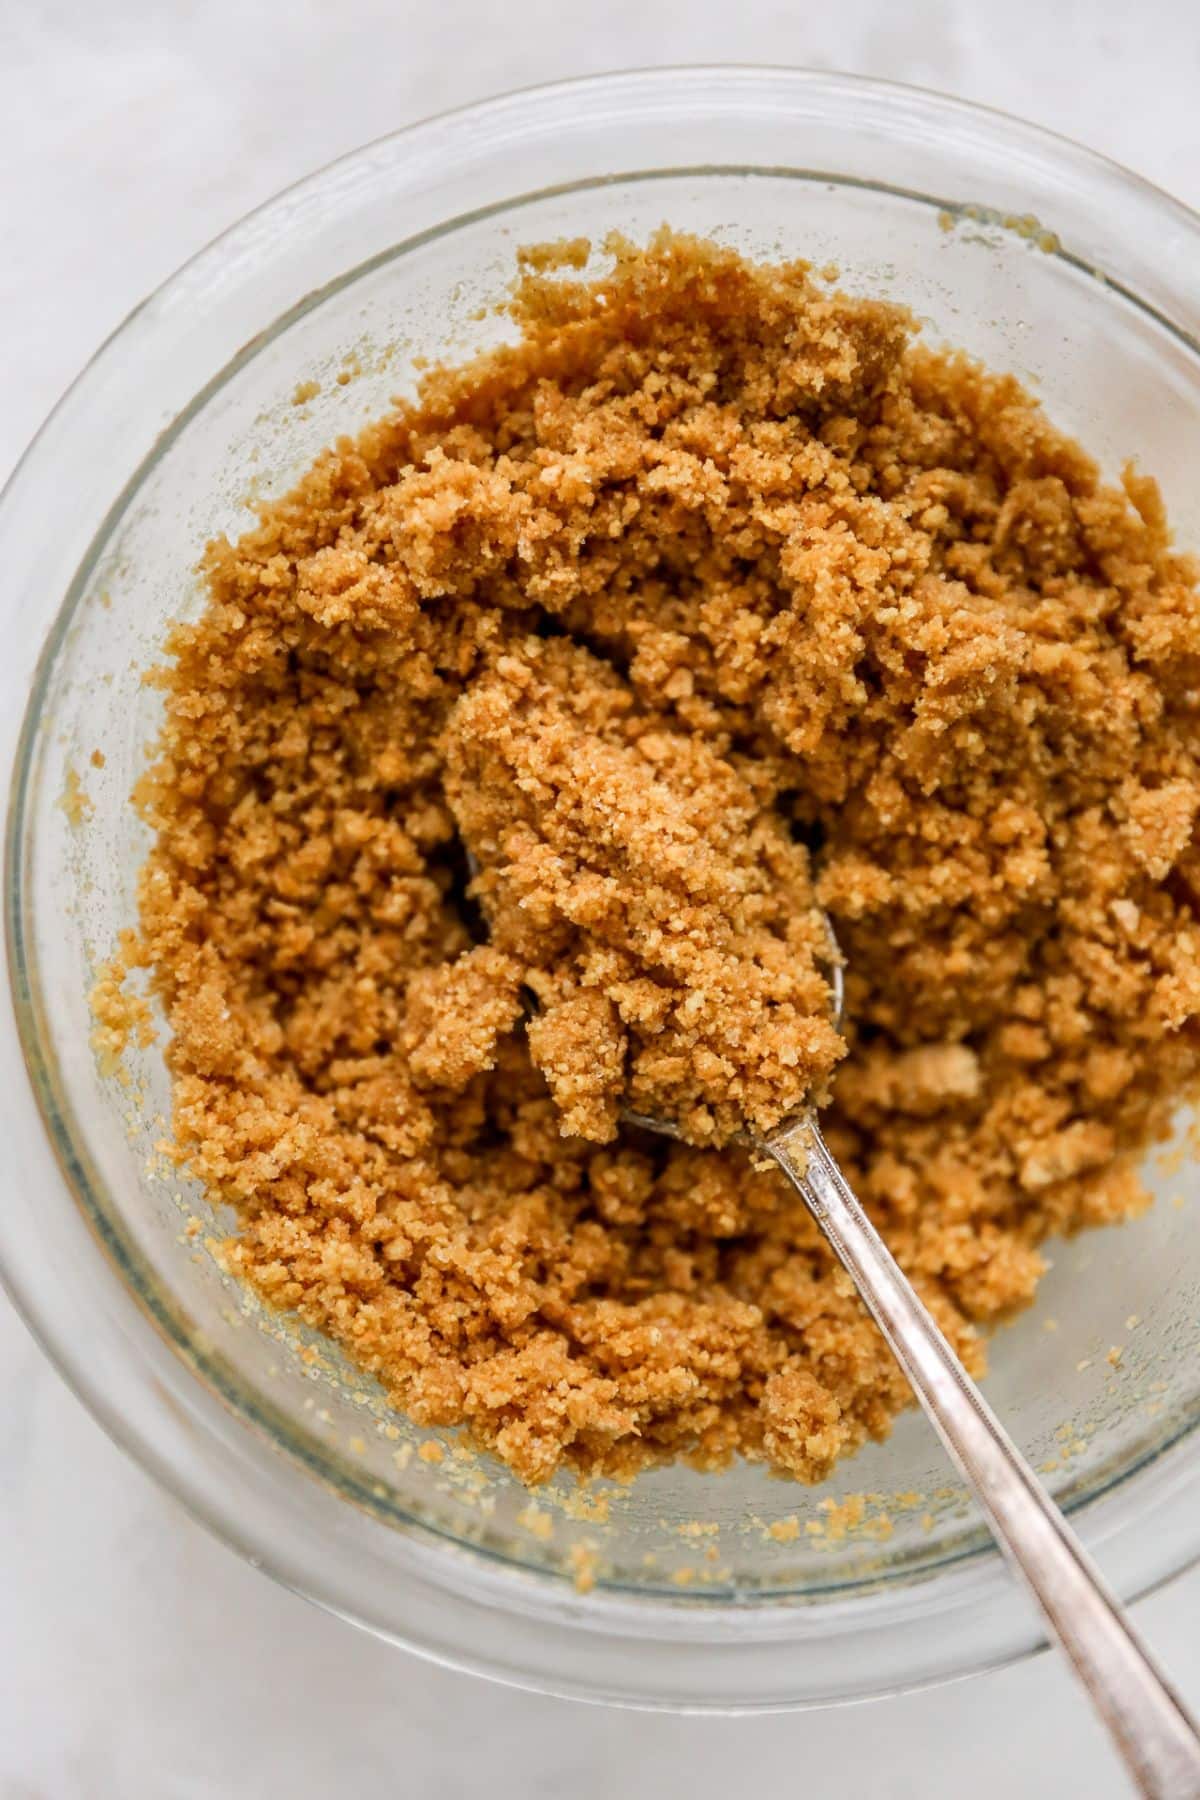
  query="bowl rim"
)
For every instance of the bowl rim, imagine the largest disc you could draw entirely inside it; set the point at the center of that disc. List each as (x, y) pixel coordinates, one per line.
(644, 86)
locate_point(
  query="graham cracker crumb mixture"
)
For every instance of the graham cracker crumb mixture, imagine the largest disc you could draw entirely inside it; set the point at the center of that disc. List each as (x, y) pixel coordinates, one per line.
(658, 908)
(713, 599)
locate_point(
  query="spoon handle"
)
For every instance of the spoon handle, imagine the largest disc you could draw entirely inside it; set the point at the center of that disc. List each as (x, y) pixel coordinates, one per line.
(1146, 1718)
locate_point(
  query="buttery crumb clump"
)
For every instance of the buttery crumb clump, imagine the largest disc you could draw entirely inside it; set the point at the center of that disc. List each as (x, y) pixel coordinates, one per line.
(662, 912)
(502, 780)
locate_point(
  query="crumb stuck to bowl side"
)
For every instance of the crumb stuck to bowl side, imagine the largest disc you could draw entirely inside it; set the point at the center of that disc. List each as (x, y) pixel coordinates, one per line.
(740, 549)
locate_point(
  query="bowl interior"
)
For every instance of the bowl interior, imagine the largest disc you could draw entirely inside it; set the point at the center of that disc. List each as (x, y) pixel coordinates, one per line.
(1106, 367)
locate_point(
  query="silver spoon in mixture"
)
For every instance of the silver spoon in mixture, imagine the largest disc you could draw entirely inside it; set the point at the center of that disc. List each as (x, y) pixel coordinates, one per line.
(1149, 1723)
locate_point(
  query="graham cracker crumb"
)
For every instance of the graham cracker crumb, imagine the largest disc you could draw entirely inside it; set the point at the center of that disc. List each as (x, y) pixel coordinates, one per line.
(584, 1564)
(592, 1508)
(75, 802)
(845, 1516)
(539, 1524)
(712, 601)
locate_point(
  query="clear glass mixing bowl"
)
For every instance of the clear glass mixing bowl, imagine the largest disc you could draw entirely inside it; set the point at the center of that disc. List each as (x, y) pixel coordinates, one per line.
(736, 1591)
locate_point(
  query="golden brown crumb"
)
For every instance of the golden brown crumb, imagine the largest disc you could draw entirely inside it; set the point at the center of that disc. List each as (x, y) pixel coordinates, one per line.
(75, 800)
(713, 572)
(663, 916)
(539, 1524)
(120, 1016)
(592, 1509)
(562, 253)
(845, 1516)
(584, 1562)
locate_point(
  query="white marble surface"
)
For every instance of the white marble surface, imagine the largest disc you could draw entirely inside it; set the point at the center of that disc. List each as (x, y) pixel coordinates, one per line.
(137, 1657)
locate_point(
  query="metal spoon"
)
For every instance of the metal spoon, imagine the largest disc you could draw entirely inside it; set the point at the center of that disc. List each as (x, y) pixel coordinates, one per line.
(1150, 1725)
(1152, 1729)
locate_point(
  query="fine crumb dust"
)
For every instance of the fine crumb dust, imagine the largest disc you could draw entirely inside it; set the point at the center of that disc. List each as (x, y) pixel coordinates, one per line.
(538, 1523)
(74, 800)
(714, 599)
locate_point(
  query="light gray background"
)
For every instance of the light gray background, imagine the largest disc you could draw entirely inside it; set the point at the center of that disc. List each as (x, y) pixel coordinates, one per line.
(137, 1657)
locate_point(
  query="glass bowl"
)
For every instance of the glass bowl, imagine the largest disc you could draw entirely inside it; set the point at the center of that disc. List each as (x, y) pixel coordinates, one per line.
(737, 1591)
